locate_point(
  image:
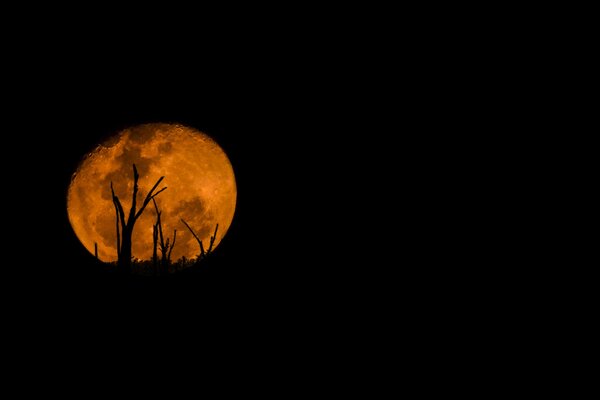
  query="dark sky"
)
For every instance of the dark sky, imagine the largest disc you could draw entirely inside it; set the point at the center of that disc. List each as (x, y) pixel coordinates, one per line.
(314, 171)
(361, 160)
(350, 208)
(279, 240)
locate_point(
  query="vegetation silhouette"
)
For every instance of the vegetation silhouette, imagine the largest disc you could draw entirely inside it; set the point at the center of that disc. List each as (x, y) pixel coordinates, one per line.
(203, 254)
(149, 268)
(126, 263)
(124, 255)
(165, 247)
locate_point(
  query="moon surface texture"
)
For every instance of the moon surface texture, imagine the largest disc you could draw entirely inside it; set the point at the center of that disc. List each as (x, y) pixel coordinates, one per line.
(200, 183)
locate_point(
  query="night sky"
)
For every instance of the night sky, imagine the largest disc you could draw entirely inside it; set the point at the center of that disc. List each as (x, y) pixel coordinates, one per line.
(314, 172)
(273, 247)
(370, 159)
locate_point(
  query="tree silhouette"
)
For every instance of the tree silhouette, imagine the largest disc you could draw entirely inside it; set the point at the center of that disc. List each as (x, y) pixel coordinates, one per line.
(203, 254)
(126, 227)
(154, 248)
(165, 247)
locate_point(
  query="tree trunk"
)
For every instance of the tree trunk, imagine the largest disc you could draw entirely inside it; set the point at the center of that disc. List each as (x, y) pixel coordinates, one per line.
(165, 264)
(125, 258)
(124, 249)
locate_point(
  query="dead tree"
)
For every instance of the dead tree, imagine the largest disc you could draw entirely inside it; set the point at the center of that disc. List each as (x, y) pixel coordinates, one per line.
(126, 226)
(203, 253)
(165, 247)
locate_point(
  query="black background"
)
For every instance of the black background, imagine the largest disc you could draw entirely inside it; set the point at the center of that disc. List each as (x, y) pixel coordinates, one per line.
(347, 178)
(294, 239)
(329, 143)
(371, 156)
(297, 261)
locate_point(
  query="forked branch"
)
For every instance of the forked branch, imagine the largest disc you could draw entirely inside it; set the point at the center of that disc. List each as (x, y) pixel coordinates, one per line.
(212, 240)
(150, 196)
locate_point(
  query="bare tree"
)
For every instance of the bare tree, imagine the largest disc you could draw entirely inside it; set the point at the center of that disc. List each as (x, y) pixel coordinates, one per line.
(203, 253)
(126, 227)
(165, 247)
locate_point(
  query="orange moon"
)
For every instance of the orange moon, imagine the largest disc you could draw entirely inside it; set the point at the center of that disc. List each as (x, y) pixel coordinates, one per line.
(200, 183)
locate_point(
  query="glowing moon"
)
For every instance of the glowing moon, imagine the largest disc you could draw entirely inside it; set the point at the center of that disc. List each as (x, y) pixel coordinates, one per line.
(200, 182)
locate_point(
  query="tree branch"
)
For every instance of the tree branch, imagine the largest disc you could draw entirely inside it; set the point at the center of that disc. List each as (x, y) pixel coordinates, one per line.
(196, 236)
(120, 215)
(202, 252)
(159, 224)
(132, 215)
(172, 244)
(150, 196)
(212, 240)
(157, 193)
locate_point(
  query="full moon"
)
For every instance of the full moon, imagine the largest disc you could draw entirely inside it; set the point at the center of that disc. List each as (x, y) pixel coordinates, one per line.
(200, 183)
